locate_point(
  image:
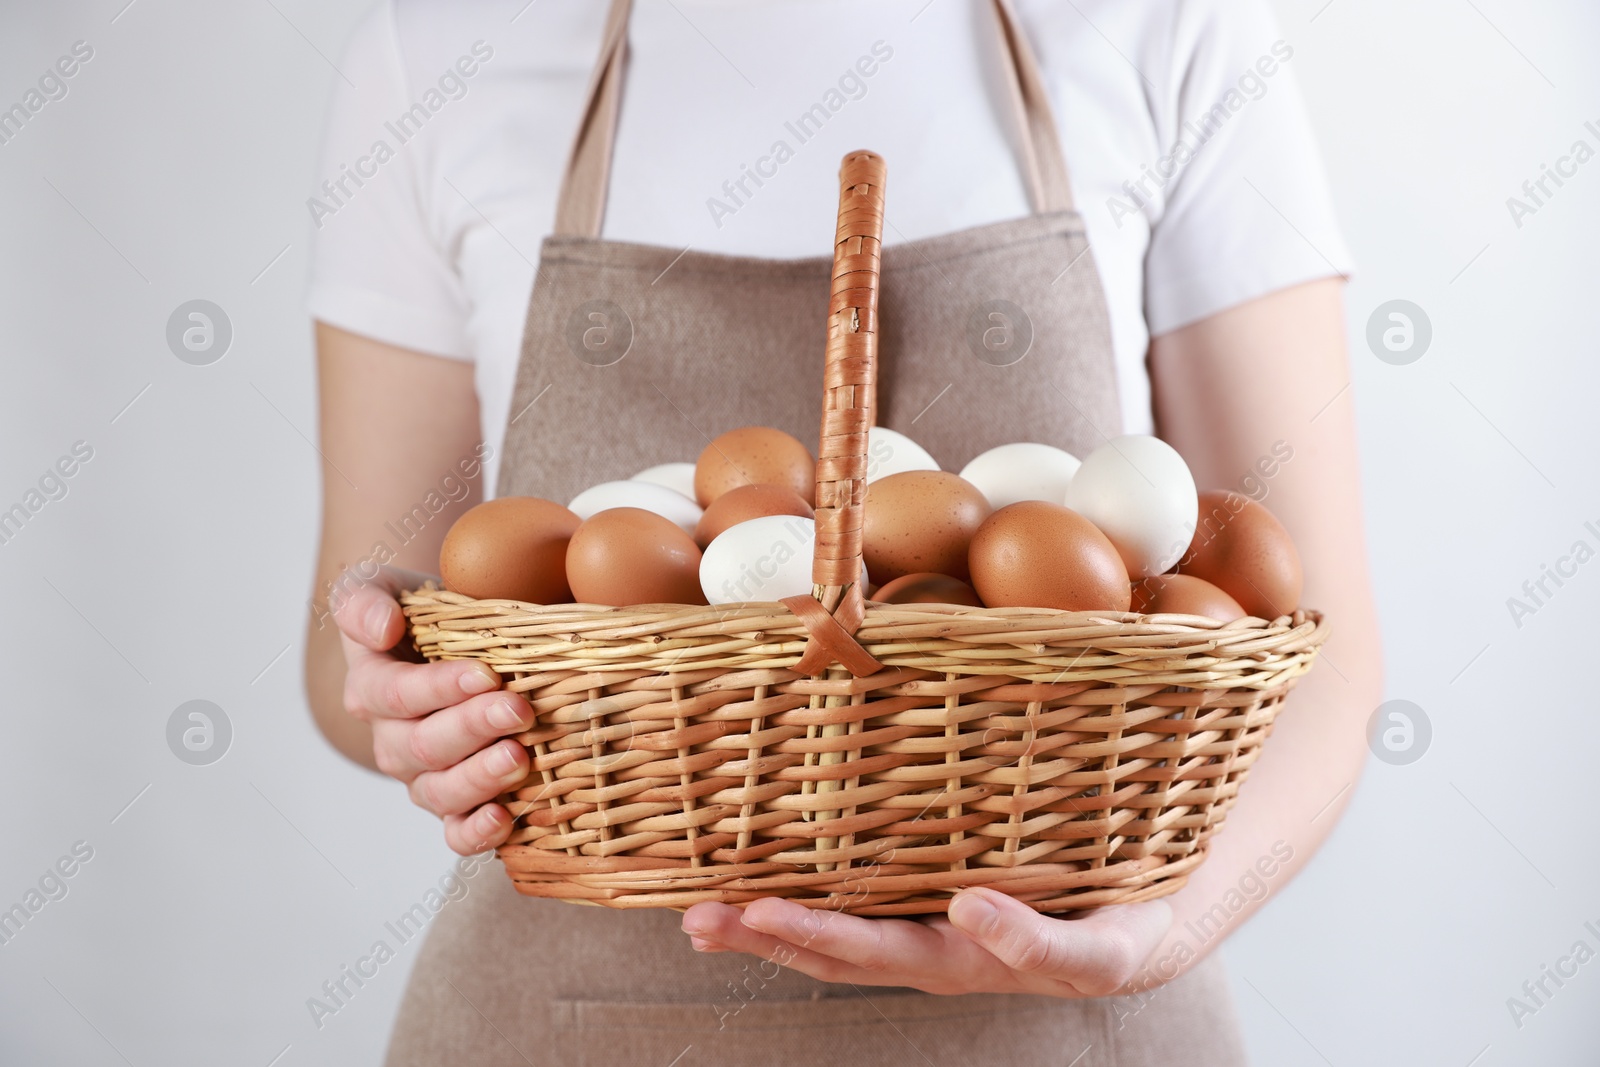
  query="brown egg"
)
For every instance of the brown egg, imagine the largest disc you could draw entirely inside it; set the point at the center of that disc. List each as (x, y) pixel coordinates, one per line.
(513, 548)
(920, 522)
(746, 502)
(754, 455)
(1241, 548)
(1035, 554)
(927, 589)
(625, 556)
(1183, 594)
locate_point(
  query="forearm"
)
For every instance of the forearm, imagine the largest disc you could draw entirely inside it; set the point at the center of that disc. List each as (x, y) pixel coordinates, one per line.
(1257, 399)
(1301, 782)
(417, 474)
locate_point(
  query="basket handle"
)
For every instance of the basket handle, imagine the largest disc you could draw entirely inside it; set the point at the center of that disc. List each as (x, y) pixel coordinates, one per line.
(837, 606)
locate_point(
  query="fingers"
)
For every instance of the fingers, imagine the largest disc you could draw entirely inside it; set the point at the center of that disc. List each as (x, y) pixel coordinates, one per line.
(1096, 955)
(708, 921)
(439, 756)
(989, 943)
(378, 686)
(720, 925)
(366, 609)
(405, 748)
(485, 828)
(476, 780)
(876, 945)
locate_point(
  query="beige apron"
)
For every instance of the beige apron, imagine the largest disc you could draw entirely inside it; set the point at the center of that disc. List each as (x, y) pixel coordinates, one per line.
(636, 355)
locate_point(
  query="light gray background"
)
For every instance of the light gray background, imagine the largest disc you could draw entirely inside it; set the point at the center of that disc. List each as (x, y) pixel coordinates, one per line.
(176, 567)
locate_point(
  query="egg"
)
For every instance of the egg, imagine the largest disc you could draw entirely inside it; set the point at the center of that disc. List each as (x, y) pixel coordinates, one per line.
(683, 512)
(890, 452)
(1139, 492)
(1183, 594)
(513, 548)
(1035, 554)
(764, 559)
(1241, 548)
(679, 477)
(754, 455)
(927, 589)
(1022, 471)
(626, 556)
(918, 522)
(746, 502)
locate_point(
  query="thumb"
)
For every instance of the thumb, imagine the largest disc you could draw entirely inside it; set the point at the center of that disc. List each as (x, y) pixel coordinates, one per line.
(1096, 954)
(366, 608)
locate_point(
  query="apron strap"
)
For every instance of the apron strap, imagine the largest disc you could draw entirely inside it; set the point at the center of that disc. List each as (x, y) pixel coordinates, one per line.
(1044, 166)
(581, 206)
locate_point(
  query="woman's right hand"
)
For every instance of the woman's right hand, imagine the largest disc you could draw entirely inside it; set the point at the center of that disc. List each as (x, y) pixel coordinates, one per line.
(441, 728)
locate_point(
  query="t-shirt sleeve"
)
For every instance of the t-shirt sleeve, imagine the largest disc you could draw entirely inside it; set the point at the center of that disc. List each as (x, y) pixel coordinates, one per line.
(377, 268)
(1246, 209)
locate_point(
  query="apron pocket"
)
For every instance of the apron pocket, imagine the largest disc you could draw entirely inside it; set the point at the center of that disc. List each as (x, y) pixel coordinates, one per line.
(868, 1025)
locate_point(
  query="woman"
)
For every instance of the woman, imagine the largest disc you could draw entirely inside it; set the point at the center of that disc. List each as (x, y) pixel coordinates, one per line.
(1209, 311)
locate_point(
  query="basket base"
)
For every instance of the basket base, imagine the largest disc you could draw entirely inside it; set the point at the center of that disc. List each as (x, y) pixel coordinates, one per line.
(880, 891)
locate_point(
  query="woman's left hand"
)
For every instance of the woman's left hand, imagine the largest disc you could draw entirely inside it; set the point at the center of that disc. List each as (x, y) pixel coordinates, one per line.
(990, 943)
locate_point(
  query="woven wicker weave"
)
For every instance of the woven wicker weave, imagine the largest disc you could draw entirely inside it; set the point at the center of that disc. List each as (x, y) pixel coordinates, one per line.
(868, 758)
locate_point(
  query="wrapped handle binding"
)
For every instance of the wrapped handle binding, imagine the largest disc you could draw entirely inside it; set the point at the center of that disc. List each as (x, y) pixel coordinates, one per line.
(837, 605)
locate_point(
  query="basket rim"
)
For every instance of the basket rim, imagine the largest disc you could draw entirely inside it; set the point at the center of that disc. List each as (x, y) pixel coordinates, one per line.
(1109, 631)
(432, 591)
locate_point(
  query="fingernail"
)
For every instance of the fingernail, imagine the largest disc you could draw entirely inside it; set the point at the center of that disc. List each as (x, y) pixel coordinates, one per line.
(972, 913)
(479, 679)
(505, 715)
(486, 822)
(504, 762)
(377, 621)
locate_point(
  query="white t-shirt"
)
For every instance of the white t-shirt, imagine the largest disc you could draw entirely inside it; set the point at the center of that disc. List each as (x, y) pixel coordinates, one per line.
(1190, 152)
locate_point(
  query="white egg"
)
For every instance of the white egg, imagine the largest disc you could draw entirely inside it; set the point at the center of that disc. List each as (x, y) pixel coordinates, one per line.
(630, 494)
(1140, 493)
(1022, 471)
(890, 452)
(679, 477)
(763, 559)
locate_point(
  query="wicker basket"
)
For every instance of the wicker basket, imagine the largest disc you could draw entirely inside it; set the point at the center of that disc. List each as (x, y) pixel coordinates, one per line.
(865, 757)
